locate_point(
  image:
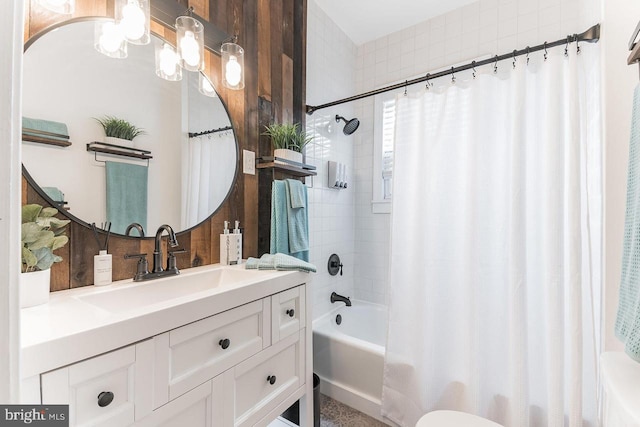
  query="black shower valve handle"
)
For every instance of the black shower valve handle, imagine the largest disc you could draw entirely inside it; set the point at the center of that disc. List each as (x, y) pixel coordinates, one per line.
(335, 264)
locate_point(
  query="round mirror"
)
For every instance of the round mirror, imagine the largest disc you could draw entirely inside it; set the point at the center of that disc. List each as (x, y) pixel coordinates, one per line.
(187, 135)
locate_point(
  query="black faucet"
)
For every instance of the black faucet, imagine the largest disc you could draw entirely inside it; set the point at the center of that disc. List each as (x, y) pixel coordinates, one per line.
(335, 297)
(157, 253)
(137, 227)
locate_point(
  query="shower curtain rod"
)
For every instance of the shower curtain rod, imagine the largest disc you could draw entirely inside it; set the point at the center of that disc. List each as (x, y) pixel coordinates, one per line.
(592, 35)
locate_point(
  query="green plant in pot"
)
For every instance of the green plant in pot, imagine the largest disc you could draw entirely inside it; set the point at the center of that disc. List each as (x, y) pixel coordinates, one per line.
(42, 234)
(288, 140)
(119, 131)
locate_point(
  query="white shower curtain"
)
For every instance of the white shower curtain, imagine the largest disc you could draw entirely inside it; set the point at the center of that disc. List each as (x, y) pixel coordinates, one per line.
(495, 265)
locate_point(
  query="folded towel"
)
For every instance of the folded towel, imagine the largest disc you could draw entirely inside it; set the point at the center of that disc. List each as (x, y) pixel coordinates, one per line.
(126, 195)
(297, 194)
(281, 262)
(38, 127)
(54, 193)
(289, 227)
(627, 327)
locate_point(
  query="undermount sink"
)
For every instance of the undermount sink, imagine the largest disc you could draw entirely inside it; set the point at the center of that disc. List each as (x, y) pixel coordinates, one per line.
(119, 300)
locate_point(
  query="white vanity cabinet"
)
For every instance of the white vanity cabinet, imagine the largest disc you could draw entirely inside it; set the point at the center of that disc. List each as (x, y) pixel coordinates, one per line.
(237, 367)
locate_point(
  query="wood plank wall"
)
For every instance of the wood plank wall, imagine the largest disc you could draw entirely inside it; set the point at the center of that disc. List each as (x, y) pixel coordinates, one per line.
(273, 34)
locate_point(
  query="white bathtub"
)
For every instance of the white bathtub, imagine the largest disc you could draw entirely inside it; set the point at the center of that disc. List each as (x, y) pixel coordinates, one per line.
(349, 358)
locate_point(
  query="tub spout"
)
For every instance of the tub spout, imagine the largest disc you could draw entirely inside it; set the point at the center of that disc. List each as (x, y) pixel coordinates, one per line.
(335, 297)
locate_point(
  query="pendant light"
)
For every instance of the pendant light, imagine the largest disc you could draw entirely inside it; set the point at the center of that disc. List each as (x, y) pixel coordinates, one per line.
(190, 36)
(135, 19)
(232, 65)
(167, 62)
(109, 39)
(205, 87)
(59, 6)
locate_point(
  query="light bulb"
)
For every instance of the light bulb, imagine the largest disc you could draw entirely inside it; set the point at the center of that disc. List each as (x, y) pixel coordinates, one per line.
(111, 37)
(190, 49)
(168, 60)
(233, 72)
(133, 20)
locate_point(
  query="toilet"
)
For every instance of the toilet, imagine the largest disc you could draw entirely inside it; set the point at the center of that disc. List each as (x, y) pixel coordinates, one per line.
(453, 419)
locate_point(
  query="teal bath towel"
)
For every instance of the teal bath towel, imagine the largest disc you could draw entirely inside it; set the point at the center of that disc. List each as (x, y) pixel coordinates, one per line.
(279, 262)
(126, 195)
(627, 327)
(45, 128)
(289, 226)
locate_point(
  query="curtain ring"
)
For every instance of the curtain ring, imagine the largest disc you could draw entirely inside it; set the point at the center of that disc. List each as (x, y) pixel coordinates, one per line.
(528, 49)
(545, 51)
(473, 63)
(577, 46)
(495, 66)
(426, 86)
(453, 77)
(566, 48)
(405, 87)
(514, 58)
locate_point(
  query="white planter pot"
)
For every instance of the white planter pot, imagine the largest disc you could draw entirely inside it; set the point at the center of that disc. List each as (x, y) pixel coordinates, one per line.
(34, 288)
(285, 153)
(118, 141)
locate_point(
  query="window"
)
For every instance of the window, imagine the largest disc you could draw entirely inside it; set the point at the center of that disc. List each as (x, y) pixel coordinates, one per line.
(384, 133)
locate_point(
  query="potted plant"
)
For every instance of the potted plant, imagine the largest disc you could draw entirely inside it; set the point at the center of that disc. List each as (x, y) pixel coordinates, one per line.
(118, 131)
(288, 140)
(42, 233)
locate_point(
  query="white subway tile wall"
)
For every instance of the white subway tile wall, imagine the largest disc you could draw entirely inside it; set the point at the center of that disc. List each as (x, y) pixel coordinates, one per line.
(331, 73)
(336, 68)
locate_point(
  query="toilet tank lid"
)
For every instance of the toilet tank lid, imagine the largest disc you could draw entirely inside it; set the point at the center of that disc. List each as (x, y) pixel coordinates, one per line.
(620, 378)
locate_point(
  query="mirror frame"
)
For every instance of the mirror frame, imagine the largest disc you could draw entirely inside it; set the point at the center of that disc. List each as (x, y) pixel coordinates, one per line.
(83, 223)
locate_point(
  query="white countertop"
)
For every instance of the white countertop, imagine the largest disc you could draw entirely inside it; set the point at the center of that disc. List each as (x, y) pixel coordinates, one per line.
(70, 328)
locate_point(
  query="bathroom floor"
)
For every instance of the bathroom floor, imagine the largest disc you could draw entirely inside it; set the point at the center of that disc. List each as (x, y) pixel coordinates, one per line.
(336, 414)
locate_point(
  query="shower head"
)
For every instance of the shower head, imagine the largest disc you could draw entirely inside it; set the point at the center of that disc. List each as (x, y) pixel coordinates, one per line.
(351, 125)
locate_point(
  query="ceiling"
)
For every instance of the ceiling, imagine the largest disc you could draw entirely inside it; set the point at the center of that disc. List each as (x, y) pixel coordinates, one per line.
(366, 20)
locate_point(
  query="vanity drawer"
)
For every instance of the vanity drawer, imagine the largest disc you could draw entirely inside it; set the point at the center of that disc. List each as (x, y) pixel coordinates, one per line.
(197, 352)
(107, 390)
(288, 313)
(259, 384)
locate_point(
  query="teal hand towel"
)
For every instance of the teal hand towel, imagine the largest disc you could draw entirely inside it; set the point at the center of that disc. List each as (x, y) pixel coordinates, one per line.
(280, 262)
(289, 227)
(54, 193)
(627, 327)
(126, 195)
(38, 127)
(297, 194)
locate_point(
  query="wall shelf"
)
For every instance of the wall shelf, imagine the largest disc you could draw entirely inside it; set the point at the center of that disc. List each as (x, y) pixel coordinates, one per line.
(45, 140)
(118, 150)
(289, 166)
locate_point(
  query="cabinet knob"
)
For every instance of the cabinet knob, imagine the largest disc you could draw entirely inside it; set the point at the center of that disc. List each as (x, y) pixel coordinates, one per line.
(291, 312)
(105, 398)
(271, 379)
(225, 343)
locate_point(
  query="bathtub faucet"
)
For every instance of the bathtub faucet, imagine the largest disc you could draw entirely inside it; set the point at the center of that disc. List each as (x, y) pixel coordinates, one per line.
(335, 297)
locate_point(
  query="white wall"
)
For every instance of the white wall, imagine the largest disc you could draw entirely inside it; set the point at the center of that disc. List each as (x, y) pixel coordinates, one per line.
(11, 30)
(486, 27)
(331, 66)
(619, 79)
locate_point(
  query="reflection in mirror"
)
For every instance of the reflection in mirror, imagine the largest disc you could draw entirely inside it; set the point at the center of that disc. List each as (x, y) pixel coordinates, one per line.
(66, 80)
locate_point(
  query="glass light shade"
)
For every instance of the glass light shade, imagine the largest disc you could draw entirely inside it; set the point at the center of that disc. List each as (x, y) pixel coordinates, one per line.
(190, 36)
(205, 87)
(59, 6)
(109, 39)
(167, 62)
(232, 66)
(134, 17)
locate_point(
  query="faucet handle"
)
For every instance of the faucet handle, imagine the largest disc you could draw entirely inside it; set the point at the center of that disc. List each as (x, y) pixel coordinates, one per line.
(143, 265)
(171, 259)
